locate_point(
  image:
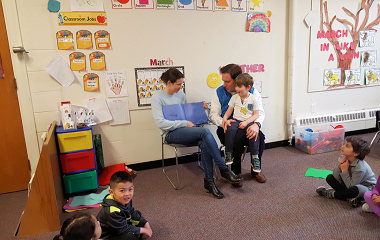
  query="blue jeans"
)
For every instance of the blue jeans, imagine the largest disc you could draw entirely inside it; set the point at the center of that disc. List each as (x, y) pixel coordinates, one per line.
(203, 138)
(230, 138)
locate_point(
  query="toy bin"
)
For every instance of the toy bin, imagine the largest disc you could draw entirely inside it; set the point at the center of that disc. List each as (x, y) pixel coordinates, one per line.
(319, 138)
(71, 141)
(80, 182)
(78, 161)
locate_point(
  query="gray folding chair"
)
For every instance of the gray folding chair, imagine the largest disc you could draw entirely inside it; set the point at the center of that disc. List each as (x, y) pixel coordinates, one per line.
(378, 128)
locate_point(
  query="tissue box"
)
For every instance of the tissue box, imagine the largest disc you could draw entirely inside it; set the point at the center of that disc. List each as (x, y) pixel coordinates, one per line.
(319, 138)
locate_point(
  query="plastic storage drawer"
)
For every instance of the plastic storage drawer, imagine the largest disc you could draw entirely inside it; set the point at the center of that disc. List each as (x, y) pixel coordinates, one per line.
(79, 161)
(80, 182)
(75, 141)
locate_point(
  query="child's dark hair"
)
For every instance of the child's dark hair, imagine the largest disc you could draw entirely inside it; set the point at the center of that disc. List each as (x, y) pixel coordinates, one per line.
(172, 75)
(79, 227)
(359, 146)
(244, 79)
(233, 69)
(119, 177)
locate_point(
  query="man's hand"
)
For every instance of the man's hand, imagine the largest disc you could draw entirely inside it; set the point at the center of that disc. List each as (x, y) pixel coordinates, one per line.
(375, 199)
(243, 125)
(227, 123)
(205, 106)
(146, 230)
(253, 131)
(190, 124)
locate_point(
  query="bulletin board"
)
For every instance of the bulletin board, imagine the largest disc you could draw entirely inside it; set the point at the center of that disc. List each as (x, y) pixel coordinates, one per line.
(344, 45)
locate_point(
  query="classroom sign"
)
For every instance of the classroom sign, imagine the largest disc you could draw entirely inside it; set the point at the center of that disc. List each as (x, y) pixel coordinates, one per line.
(82, 18)
(91, 82)
(65, 40)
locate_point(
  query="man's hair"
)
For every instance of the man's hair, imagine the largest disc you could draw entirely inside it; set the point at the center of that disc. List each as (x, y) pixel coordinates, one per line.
(233, 69)
(172, 75)
(359, 146)
(244, 79)
(119, 177)
(79, 227)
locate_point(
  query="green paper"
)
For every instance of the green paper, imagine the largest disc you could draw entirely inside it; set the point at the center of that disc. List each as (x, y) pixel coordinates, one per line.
(89, 199)
(317, 173)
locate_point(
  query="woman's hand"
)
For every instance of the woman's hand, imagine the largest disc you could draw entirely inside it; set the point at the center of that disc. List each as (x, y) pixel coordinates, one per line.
(205, 106)
(190, 124)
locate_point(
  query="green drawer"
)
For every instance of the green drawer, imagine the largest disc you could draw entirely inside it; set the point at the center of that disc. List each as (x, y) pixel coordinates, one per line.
(80, 182)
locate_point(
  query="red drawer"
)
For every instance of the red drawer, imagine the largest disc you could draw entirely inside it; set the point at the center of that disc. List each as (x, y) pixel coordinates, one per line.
(78, 161)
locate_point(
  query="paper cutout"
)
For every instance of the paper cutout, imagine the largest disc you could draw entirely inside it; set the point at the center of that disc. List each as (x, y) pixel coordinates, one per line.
(101, 111)
(332, 77)
(65, 40)
(165, 4)
(204, 5)
(89, 199)
(144, 4)
(213, 80)
(317, 173)
(91, 82)
(221, 5)
(77, 61)
(352, 77)
(185, 5)
(102, 40)
(84, 39)
(82, 18)
(255, 5)
(87, 5)
(367, 38)
(258, 22)
(60, 71)
(368, 58)
(119, 110)
(54, 6)
(121, 4)
(372, 76)
(97, 61)
(239, 5)
(116, 84)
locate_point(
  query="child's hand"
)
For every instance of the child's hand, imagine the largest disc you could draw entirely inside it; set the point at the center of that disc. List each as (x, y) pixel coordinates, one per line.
(190, 124)
(375, 199)
(243, 125)
(146, 230)
(343, 165)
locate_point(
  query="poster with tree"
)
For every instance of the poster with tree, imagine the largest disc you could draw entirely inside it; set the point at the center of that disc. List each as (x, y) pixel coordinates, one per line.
(346, 31)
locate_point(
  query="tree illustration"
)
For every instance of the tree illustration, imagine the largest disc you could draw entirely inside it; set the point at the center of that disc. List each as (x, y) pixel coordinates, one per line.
(344, 60)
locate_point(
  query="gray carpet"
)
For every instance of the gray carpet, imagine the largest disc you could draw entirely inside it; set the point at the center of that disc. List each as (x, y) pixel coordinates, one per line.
(285, 207)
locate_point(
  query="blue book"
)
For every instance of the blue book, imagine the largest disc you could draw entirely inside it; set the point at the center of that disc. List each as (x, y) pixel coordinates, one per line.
(193, 112)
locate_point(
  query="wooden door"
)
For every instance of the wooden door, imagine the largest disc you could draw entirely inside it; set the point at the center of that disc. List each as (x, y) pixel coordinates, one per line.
(14, 165)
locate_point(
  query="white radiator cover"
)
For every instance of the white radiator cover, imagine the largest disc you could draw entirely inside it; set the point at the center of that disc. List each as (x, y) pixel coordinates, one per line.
(352, 121)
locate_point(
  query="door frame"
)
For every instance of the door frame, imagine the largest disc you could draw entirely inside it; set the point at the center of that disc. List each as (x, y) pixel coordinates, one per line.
(21, 75)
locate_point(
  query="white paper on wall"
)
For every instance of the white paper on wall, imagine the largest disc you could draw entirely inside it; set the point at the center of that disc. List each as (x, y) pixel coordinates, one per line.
(101, 111)
(116, 84)
(60, 71)
(87, 5)
(119, 110)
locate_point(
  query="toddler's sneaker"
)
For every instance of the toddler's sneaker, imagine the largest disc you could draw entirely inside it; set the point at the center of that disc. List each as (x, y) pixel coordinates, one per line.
(255, 162)
(228, 158)
(328, 193)
(355, 202)
(366, 208)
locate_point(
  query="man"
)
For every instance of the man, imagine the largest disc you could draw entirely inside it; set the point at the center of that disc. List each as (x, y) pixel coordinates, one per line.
(219, 106)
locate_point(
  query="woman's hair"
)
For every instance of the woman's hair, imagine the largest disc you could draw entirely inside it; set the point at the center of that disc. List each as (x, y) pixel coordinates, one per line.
(172, 75)
(79, 227)
(359, 146)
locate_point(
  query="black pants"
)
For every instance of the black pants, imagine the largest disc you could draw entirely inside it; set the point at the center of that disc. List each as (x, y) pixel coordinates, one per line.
(241, 140)
(341, 191)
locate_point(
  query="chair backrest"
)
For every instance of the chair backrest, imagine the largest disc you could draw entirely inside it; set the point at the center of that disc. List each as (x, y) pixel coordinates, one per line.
(378, 120)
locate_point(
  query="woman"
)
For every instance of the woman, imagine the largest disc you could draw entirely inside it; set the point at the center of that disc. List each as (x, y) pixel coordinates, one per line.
(185, 132)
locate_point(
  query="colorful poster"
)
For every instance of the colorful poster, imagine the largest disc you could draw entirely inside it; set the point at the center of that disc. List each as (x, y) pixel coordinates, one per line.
(102, 40)
(165, 4)
(332, 77)
(205, 5)
(352, 77)
(222, 5)
(84, 39)
(82, 18)
(185, 4)
(77, 61)
(255, 5)
(87, 5)
(258, 22)
(144, 4)
(91, 82)
(121, 4)
(116, 84)
(367, 38)
(97, 61)
(372, 76)
(239, 5)
(65, 40)
(368, 58)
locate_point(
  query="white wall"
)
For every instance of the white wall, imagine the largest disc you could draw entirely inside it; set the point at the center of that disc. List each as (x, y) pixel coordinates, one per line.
(199, 41)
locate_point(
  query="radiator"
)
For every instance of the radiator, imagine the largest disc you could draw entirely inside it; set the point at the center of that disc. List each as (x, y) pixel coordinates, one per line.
(352, 121)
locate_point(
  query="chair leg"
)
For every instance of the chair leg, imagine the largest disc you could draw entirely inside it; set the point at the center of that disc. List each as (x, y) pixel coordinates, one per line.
(178, 186)
(245, 151)
(373, 139)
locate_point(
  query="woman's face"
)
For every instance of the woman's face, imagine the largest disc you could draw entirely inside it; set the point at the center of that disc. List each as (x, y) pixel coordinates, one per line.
(175, 87)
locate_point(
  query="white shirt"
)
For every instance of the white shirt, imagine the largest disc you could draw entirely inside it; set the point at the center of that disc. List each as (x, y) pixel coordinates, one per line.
(216, 110)
(242, 108)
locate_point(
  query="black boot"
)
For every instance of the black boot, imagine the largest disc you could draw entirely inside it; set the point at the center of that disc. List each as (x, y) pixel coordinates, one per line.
(230, 176)
(211, 187)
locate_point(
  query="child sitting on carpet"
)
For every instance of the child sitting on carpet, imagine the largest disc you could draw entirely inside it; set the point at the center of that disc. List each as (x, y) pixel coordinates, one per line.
(352, 176)
(82, 226)
(118, 218)
(373, 200)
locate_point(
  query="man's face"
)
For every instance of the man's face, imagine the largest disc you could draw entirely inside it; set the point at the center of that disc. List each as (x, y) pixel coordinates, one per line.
(228, 82)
